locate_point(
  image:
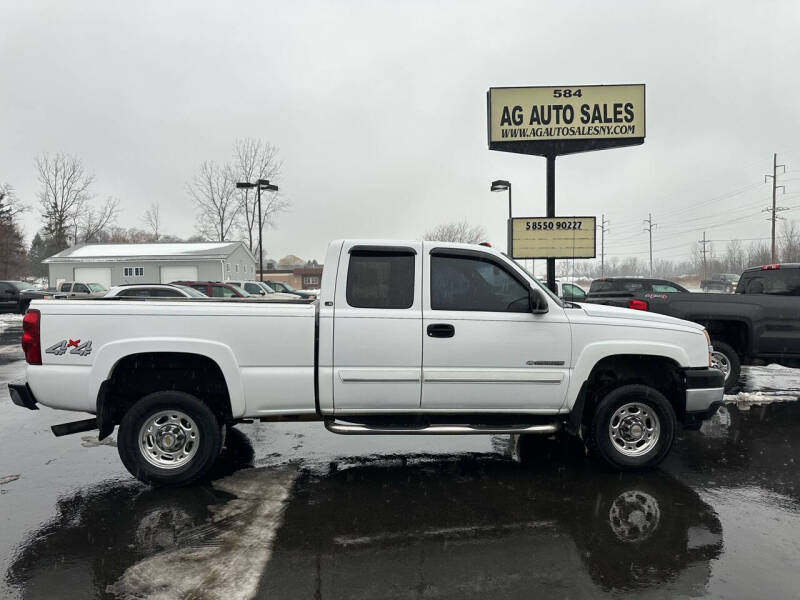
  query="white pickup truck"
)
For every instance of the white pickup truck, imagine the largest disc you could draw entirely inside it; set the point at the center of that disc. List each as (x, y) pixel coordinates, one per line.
(405, 338)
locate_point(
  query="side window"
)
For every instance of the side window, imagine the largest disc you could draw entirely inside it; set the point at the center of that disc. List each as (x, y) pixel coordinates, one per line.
(633, 286)
(200, 288)
(164, 293)
(573, 292)
(380, 280)
(459, 283)
(80, 288)
(64, 287)
(252, 288)
(663, 288)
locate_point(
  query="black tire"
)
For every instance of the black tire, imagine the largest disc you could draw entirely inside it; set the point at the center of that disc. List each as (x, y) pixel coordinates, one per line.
(735, 369)
(601, 444)
(208, 429)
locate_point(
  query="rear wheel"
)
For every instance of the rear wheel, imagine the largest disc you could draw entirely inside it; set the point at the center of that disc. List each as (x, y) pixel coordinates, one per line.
(725, 358)
(633, 428)
(169, 438)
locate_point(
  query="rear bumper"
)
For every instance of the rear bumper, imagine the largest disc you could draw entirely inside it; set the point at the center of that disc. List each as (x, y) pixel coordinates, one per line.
(21, 395)
(705, 389)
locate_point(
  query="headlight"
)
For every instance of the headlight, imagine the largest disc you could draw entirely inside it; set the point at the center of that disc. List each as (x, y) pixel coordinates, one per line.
(710, 347)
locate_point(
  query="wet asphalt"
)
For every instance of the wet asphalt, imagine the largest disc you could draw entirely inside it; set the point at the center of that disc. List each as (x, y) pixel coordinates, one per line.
(293, 511)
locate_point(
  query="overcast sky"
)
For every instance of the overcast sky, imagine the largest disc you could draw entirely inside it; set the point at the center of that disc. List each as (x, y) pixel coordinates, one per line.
(379, 109)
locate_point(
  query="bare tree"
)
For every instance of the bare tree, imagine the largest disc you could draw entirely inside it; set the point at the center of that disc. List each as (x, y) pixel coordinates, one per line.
(790, 242)
(12, 252)
(152, 220)
(94, 222)
(253, 160)
(213, 190)
(65, 190)
(456, 232)
(734, 257)
(758, 254)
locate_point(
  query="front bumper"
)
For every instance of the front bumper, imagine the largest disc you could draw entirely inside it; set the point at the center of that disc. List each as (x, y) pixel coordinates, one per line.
(705, 389)
(21, 395)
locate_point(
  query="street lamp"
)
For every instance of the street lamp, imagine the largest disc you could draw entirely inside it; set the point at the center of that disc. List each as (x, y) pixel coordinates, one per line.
(261, 184)
(501, 185)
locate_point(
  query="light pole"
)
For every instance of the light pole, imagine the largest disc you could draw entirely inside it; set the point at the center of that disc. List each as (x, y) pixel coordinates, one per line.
(502, 185)
(261, 184)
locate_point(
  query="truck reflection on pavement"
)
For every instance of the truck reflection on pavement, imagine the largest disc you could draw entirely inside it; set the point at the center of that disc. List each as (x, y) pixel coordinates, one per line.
(452, 526)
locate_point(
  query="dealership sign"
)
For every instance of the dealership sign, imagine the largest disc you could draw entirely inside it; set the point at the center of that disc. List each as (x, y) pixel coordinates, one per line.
(565, 119)
(553, 237)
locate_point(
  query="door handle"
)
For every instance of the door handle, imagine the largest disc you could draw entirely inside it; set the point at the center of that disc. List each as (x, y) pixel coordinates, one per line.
(441, 330)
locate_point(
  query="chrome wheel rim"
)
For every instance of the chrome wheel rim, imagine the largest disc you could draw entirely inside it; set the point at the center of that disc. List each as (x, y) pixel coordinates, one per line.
(169, 439)
(634, 429)
(634, 516)
(721, 362)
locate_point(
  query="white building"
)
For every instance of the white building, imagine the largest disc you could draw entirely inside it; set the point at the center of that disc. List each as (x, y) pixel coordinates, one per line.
(114, 264)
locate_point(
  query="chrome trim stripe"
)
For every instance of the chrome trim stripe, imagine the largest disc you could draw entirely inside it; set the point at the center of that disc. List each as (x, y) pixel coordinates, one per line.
(491, 376)
(701, 399)
(379, 375)
(356, 429)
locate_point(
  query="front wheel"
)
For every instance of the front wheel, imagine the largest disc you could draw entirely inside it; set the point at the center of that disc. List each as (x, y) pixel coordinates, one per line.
(633, 428)
(169, 438)
(725, 358)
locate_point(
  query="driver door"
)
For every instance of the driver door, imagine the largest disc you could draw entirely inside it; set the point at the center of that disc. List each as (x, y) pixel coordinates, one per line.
(483, 349)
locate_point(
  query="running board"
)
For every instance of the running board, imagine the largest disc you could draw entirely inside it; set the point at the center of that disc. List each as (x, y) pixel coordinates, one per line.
(358, 429)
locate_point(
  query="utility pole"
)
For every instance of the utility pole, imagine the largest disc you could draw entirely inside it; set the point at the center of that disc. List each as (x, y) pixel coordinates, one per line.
(704, 241)
(603, 229)
(775, 209)
(649, 229)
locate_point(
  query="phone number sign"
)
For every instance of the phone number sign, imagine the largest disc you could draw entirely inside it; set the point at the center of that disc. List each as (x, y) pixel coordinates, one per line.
(553, 237)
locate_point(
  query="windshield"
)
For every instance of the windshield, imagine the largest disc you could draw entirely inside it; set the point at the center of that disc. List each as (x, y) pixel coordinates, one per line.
(539, 283)
(267, 289)
(96, 287)
(190, 291)
(288, 287)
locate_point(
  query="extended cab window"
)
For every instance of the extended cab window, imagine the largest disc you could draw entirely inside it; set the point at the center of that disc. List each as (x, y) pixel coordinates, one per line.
(663, 288)
(466, 283)
(65, 287)
(380, 280)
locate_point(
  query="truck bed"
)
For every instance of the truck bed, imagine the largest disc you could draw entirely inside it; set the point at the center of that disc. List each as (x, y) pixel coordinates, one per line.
(265, 348)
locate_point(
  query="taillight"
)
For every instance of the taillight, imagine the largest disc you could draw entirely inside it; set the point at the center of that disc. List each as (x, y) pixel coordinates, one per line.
(637, 304)
(770, 267)
(31, 345)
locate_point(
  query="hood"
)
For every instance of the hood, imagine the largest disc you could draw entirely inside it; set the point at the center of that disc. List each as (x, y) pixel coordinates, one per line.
(615, 312)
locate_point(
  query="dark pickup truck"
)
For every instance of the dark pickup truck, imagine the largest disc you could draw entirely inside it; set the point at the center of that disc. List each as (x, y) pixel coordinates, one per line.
(758, 323)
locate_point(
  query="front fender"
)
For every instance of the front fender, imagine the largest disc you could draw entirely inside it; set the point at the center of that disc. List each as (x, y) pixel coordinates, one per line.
(597, 351)
(110, 354)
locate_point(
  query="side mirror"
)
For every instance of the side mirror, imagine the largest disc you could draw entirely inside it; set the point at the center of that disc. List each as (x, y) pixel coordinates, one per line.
(537, 302)
(262, 292)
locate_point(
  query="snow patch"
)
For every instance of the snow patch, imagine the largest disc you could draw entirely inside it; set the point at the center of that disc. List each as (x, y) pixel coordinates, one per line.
(225, 559)
(746, 400)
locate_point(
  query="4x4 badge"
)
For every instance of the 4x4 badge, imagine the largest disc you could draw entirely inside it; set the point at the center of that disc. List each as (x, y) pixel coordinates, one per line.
(61, 347)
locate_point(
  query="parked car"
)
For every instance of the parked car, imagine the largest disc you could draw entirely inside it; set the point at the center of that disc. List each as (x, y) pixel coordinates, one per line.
(11, 298)
(615, 287)
(280, 286)
(570, 291)
(759, 323)
(260, 288)
(153, 290)
(431, 338)
(72, 289)
(215, 289)
(724, 282)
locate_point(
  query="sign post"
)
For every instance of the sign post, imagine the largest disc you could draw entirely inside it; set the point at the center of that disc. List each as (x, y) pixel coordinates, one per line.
(552, 121)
